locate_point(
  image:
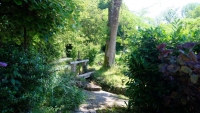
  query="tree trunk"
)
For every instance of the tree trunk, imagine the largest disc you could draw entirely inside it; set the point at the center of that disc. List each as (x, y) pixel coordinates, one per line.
(113, 17)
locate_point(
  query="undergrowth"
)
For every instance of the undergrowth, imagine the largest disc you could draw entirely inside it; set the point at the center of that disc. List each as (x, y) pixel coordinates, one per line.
(113, 110)
(112, 79)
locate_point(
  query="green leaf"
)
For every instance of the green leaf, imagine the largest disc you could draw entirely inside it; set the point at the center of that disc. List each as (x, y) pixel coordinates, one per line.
(186, 69)
(194, 78)
(18, 2)
(40, 89)
(16, 74)
(12, 81)
(26, 1)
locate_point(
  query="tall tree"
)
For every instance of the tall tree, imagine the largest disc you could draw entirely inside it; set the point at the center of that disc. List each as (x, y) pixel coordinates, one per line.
(170, 15)
(186, 11)
(196, 12)
(22, 19)
(113, 17)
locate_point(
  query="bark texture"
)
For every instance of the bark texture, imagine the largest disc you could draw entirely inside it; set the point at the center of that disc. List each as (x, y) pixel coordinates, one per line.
(113, 17)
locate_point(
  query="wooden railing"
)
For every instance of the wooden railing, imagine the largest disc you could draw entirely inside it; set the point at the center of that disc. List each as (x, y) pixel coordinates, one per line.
(63, 64)
(74, 64)
(60, 65)
(84, 74)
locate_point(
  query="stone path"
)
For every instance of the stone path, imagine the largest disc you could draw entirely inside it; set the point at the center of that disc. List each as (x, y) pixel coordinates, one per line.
(99, 100)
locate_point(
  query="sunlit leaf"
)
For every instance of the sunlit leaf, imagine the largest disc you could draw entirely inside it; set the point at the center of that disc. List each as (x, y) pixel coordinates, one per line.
(186, 69)
(194, 78)
(18, 2)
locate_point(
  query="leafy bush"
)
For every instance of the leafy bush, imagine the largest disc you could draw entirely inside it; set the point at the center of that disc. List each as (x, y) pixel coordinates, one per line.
(91, 55)
(182, 71)
(86, 51)
(145, 87)
(62, 92)
(21, 80)
(26, 83)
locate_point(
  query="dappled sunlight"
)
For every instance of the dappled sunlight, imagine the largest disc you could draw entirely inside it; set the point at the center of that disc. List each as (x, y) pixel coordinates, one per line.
(51, 51)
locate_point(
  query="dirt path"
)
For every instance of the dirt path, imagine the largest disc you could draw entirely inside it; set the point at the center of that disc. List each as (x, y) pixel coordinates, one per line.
(99, 100)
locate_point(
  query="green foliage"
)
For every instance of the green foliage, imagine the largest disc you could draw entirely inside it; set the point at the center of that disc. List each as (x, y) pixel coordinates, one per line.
(62, 93)
(112, 80)
(191, 10)
(21, 79)
(149, 90)
(85, 50)
(187, 10)
(27, 83)
(103, 4)
(145, 87)
(113, 110)
(196, 12)
(181, 71)
(170, 15)
(91, 55)
(17, 16)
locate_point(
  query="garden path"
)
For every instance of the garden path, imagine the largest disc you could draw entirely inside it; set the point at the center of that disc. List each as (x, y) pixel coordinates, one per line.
(99, 100)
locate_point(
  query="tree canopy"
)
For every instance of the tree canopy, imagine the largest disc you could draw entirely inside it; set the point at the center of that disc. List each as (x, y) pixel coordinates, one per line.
(22, 19)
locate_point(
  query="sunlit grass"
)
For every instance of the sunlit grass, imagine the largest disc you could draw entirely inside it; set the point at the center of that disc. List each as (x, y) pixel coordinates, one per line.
(113, 110)
(113, 78)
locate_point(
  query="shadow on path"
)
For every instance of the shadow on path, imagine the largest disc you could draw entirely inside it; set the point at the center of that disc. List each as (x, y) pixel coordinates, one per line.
(99, 100)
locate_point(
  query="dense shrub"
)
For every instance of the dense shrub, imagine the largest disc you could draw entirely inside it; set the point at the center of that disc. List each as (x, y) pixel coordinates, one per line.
(145, 86)
(181, 70)
(21, 79)
(91, 55)
(60, 94)
(86, 51)
(27, 84)
(173, 87)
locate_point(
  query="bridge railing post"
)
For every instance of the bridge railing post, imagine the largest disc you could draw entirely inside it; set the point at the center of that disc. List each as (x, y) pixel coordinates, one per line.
(73, 68)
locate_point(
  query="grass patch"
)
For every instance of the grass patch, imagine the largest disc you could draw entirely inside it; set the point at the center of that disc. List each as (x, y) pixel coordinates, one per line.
(122, 97)
(113, 110)
(113, 79)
